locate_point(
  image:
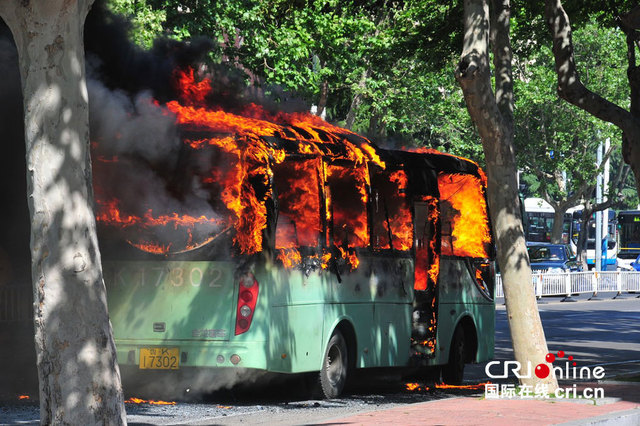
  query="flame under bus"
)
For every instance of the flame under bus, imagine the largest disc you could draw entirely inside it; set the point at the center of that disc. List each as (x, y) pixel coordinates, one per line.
(389, 249)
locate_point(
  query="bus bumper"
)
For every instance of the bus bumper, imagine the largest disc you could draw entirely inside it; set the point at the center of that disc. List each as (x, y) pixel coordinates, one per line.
(200, 354)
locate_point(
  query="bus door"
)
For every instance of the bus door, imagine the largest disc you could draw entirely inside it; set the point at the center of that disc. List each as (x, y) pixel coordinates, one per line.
(425, 276)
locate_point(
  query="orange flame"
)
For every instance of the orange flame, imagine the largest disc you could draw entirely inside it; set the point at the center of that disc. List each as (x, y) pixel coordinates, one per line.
(251, 158)
(299, 201)
(289, 257)
(427, 259)
(191, 92)
(392, 215)
(24, 397)
(326, 162)
(150, 401)
(463, 196)
(110, 214)
(350, 227)
(469, 387)
(434, 217)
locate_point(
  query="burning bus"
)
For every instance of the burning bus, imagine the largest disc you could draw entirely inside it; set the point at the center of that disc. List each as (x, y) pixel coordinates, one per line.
(313, 251)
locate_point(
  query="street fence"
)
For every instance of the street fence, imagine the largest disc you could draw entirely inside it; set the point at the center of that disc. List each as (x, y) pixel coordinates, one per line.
(568, 284)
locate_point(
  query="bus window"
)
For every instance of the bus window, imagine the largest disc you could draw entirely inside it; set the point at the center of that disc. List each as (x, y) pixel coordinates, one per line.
(298, 223)
(631, 235)
(347, 206)
(391, 216)
(464, 223)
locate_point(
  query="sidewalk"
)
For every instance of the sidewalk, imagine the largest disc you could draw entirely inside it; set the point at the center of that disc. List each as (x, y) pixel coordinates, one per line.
(620, 407)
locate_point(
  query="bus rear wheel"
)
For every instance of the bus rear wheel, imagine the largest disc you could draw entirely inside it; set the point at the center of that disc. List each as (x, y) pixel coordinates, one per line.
(333, 375)
(453, 372)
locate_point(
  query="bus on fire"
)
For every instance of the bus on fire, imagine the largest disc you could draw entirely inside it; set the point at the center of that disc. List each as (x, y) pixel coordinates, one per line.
(325, 254)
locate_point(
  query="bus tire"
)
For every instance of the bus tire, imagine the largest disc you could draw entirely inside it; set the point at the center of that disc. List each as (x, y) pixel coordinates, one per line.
(335, 365)
(453, 372)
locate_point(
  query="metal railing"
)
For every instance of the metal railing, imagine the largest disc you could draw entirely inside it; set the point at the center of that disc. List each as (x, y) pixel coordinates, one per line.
(573, 283)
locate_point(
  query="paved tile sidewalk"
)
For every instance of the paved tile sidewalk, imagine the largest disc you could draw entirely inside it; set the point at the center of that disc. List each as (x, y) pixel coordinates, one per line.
(621, 402)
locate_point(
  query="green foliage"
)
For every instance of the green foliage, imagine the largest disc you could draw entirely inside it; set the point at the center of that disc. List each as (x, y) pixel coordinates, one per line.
(551, 134)
(146, 22)
(390, 64)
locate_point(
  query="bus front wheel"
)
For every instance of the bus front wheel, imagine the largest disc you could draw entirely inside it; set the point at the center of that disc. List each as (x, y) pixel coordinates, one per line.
(453, 372)
(333, 374)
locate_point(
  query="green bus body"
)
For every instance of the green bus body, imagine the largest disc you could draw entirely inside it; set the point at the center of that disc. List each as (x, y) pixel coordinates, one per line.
(191, 306)
(295, 315)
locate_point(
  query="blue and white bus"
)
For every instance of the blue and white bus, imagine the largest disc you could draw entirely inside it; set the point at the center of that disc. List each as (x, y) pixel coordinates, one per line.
(629, 227)
(610, 250)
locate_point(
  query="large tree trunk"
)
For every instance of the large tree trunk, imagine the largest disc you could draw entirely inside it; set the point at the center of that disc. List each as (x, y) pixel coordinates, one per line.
(77, 369)
(493, 118)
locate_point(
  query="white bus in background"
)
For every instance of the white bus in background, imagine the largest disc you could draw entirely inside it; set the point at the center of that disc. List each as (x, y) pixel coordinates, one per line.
(538, 222)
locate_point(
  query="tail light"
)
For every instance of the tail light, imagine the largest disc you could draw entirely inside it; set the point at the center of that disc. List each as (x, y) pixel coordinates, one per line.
(247, 299)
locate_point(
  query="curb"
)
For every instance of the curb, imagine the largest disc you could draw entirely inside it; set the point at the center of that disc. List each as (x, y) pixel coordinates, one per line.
(621, 418)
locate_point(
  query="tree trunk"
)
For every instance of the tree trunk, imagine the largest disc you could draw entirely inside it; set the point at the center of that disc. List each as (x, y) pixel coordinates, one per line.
(492, 117)
(324, 96)
(558, 225)
(356, 100)
(581, 246)
(77, 369)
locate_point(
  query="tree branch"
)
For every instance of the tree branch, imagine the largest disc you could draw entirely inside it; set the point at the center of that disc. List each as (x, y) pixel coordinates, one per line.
(570, 87)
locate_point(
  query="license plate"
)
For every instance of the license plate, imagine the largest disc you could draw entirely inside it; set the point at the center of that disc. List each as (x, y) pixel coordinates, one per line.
(160, 358)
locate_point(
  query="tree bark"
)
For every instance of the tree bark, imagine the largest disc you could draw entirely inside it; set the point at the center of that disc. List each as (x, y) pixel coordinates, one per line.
(558, 225)
(493, 118)
(77, 368)
(324, 96)
(356, 100)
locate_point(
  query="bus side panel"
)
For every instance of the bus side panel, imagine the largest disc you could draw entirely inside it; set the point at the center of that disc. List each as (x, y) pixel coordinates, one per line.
(392, 334)
(460, 297)
(382, 333)
(296, 314)
(383, 324)
(361, 317)
(296, 338)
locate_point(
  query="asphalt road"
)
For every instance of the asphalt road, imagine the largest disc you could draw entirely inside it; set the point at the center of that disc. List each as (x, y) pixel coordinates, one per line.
(595, 332)
(604, 332)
